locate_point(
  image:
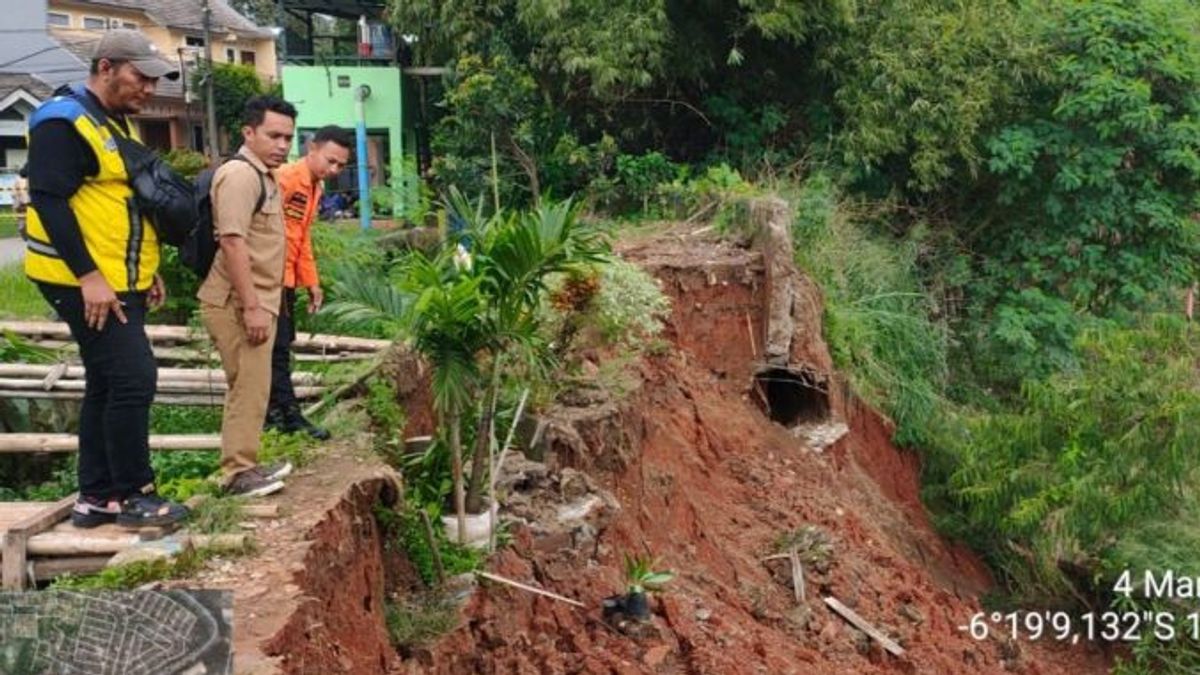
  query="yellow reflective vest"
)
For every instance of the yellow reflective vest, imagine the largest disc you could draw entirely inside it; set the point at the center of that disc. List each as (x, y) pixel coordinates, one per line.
(123, 245)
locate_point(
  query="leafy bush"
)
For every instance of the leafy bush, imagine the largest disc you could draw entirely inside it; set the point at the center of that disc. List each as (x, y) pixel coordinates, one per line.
(188, 163)
(406, 529)
(387, 420)
(1099, 178)
(919, 85)
(620, 302)
(1069, 485)
(233, 85)
(181, 284)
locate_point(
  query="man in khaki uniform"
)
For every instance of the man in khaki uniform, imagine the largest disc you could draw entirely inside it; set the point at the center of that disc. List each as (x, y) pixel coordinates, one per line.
(241, 296)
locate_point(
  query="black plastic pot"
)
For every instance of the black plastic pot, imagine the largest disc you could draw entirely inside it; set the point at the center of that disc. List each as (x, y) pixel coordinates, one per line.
(634, 606)
(637, 606)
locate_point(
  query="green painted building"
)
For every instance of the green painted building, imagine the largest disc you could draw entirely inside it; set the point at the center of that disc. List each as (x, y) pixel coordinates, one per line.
(325, 94)
(322, 72)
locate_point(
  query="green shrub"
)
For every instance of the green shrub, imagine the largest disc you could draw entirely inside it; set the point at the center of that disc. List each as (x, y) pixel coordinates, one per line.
(387, 420)
(1091, 463)
(418, 620)
(877, 314)
(188, 163)
(405, 528)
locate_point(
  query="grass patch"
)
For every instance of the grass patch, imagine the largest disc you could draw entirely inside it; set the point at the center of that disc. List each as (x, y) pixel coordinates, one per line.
(181, 475)
(877, 313)
(21, 297)
(420, 619)
(8, 225)
(217, 514)
(299, 449)
(132, 575)
(185, 419)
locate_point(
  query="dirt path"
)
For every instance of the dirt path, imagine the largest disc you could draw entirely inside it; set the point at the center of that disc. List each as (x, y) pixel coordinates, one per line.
(12, 251)
(310, 600)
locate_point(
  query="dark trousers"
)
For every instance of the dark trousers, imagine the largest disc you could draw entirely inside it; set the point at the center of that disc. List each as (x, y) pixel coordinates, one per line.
(121, 378)
(283, 395)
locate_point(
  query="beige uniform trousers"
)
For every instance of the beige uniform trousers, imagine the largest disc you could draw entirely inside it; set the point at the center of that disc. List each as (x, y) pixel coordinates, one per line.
(248, 371)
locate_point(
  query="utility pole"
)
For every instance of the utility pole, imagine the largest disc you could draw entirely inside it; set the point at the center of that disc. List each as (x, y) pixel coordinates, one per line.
(210, 104)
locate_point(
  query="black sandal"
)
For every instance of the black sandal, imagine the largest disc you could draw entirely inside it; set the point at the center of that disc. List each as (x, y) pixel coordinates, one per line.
(150, 510)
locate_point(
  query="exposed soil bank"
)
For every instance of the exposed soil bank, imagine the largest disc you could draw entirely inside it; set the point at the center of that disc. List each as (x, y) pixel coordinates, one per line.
(690, 468)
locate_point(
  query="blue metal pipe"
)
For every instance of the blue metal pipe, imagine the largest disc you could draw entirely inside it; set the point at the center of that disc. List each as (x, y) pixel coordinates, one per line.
(360, 133)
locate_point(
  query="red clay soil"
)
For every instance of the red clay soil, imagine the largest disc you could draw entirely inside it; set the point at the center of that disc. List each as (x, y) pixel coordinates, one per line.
(311, 598)
(708, 484)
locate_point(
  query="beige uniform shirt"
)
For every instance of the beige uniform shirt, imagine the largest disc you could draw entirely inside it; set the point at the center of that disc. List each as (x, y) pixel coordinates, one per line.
(235, 191)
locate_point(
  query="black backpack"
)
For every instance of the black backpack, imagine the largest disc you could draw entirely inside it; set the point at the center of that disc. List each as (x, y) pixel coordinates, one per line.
(199, 249)
(167, 199)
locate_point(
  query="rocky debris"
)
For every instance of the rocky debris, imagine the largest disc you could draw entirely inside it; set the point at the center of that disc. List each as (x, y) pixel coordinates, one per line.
(563, 509)
(818, 437)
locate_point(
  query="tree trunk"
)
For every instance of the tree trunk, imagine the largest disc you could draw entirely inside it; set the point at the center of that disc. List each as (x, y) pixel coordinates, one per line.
(529, 166)
(483, 442)
(457, 470)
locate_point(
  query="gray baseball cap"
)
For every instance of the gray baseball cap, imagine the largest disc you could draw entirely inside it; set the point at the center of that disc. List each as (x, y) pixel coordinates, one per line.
(132, 46)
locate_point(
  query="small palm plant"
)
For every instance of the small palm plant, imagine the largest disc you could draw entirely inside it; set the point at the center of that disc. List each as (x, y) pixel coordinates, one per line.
(471, 310)
(640, 577)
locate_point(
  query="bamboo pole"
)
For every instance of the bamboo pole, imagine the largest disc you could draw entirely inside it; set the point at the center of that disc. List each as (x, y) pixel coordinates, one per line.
(181, 397)
(70, 442)
(79, 543)
(27, 370)
(164, 386)
(531, 589)
(183, 334)
(340, 392)
(193, 355)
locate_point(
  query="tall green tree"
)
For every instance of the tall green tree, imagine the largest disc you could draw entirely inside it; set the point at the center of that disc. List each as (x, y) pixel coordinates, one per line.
(1098, 174)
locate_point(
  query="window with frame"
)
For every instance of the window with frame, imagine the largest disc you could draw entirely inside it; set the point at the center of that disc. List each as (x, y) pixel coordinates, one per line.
(193, 41)
(248, 58)
(230, 56)
(58, 19)
(94, 23)
(129, 26)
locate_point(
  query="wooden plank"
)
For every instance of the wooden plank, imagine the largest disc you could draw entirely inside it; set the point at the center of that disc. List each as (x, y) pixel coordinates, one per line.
(46, 569)
(102, 540)
(862, 624)
(14, 512)
(16, 538)
(797, 576)
(70, 443)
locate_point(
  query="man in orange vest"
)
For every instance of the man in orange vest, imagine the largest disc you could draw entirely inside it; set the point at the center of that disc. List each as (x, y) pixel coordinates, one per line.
(327, 154)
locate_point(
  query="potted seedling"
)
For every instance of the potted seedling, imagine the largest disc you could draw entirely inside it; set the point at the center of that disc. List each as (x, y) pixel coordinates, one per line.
(640, 579)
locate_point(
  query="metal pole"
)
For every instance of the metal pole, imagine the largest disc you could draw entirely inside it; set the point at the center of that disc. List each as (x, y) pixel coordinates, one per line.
(360, 132)
(281, 51)
(400, 179)
(214, 153)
